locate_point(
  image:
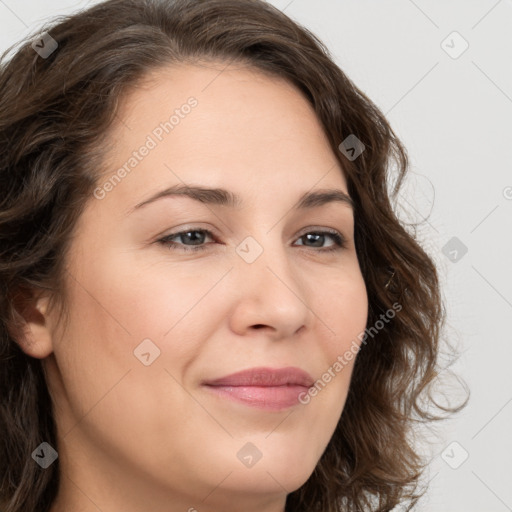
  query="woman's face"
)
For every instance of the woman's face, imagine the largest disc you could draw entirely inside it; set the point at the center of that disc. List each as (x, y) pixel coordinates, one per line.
(153, 323)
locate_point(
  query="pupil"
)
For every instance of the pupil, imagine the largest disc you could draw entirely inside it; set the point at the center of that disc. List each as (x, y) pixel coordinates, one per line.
(318, 238)
(197, 239)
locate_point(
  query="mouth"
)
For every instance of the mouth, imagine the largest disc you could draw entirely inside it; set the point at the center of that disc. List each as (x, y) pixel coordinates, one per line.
(263, 388)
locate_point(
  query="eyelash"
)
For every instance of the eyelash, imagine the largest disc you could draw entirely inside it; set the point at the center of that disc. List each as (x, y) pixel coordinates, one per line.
(339, 239)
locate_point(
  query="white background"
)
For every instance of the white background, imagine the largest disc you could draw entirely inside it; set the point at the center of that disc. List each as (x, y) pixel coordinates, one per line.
(454, 117)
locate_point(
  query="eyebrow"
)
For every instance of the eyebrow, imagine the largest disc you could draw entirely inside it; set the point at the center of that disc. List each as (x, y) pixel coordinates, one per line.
(223, 197)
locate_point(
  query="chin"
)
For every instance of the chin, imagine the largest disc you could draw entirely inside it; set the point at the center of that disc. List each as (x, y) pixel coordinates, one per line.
(277, 471)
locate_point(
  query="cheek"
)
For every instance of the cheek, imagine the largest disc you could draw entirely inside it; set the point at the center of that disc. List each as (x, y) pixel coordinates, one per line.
(94, 352)
(118, 300)
(144, 300)
(106, 389)
(344, 310)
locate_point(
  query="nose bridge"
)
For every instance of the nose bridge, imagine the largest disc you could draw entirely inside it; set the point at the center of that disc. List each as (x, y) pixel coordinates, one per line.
(270, 290)
(266, 258)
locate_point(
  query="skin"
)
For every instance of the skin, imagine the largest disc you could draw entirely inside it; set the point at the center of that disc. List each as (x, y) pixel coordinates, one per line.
(130, 435)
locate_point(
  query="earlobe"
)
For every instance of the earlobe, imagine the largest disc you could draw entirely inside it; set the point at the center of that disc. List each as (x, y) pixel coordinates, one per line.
(33, 333)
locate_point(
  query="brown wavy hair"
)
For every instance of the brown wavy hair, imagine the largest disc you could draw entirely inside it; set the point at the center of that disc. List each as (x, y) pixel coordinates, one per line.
(55, 113)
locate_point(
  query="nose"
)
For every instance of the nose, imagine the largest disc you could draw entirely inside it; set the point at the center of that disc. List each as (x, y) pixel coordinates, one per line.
(269, 294)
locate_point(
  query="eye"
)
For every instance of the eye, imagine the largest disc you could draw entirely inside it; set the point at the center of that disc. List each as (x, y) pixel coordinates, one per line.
(316, 237)
(189, 235)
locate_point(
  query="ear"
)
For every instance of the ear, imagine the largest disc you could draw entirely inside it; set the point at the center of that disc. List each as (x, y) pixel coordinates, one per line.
(32, 332)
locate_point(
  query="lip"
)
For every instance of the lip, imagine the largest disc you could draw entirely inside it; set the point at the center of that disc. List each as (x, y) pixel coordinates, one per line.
(264, 388)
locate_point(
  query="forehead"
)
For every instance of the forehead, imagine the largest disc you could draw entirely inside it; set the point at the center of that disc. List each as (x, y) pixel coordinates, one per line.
(245, 128)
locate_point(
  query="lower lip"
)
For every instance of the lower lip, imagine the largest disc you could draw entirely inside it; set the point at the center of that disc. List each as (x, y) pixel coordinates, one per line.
(274, 398)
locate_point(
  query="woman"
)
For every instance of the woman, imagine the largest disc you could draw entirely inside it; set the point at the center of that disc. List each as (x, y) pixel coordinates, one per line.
(275, 361)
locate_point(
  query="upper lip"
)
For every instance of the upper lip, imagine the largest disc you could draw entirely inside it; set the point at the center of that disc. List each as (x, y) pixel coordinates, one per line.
(265, 377)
